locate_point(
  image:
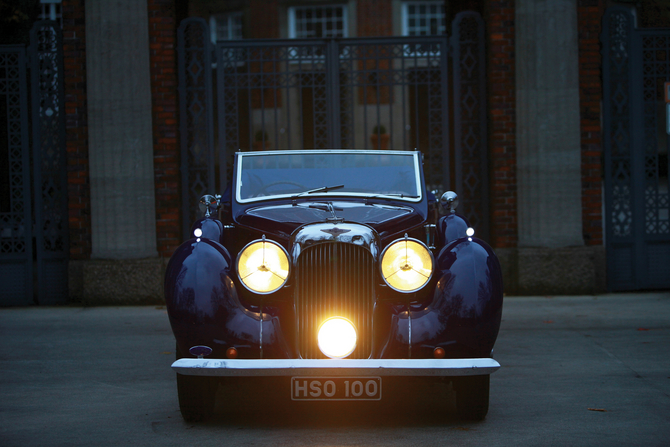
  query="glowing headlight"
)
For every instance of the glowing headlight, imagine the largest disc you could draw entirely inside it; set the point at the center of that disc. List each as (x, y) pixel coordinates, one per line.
(337, 337)
(263, 266)
(407, 265)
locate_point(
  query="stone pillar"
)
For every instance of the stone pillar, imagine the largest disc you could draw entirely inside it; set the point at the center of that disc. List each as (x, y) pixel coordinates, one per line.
(548, 117)
(123, 215)
(552, 258)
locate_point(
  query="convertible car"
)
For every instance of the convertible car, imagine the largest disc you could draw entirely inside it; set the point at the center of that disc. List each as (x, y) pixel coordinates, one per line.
(337, 270)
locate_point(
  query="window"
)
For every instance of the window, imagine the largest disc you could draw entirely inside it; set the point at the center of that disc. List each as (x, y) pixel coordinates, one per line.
(317, 21)
(226, 26)
(423, 19)
(51, 10)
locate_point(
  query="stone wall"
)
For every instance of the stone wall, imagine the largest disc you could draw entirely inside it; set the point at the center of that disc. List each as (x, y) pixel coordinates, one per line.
(558, 138)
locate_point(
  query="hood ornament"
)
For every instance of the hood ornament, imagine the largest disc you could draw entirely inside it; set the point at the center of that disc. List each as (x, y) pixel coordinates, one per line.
(328, 206)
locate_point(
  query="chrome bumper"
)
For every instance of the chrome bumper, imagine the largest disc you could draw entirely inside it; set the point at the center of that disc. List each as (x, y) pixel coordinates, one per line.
(300, 367)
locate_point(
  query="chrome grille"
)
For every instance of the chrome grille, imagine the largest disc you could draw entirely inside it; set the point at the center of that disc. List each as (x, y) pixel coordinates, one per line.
(334, 279)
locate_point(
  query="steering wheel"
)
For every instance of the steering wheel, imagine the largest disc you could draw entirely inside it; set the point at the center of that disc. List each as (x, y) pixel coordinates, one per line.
(261, 192)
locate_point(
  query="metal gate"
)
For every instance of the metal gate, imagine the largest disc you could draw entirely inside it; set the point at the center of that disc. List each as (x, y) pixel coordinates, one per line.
(33, 185)
(636, 64)
(371, 93)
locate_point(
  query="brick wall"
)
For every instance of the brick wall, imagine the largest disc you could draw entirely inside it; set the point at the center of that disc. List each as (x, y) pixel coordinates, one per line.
(264, 19)
(162, 52)
(374, 18)
(79, 192)
(589, 16)
(499, 17)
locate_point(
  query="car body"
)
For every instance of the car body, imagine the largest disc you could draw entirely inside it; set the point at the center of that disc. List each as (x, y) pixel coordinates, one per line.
(349, 241)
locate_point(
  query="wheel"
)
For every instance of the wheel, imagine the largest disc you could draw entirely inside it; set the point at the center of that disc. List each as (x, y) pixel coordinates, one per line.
(472, 396)
(197, 396)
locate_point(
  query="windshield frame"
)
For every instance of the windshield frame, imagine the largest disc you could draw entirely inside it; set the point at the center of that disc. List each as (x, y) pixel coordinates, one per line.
(336, 192)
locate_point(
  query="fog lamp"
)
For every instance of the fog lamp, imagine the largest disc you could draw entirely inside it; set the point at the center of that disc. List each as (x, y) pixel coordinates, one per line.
(263, 266)
(337, 337)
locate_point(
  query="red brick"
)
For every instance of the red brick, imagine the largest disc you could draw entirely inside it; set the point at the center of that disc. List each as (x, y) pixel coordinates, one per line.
(590, 96)
(76, 129)
(163, 37)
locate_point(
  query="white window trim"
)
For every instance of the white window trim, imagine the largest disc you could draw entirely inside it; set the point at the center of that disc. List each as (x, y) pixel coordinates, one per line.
(291, 18)
(404, 19)
(404, 16)
(51, 12)
(212, 23)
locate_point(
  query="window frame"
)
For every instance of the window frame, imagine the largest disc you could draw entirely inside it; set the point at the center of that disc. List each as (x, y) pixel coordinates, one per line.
(404, 15)
(213, 30)
(292, 30)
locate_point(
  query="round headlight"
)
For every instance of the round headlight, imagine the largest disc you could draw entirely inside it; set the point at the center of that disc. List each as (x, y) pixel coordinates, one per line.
(337, 337)
(263, 266)
(407, 265)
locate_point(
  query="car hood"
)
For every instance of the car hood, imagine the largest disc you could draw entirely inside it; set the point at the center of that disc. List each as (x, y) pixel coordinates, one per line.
(285, 218)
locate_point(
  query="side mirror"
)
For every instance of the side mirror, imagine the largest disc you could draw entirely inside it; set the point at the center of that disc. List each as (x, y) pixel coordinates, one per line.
(209, 203)
(449, 202)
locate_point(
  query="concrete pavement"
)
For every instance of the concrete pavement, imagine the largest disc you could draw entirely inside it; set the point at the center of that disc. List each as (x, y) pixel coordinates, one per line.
(589, 370)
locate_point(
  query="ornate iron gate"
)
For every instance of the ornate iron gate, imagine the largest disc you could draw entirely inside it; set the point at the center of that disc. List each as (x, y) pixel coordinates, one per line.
(33, 214)
(336, 93)
(16, 250)
(636, 64)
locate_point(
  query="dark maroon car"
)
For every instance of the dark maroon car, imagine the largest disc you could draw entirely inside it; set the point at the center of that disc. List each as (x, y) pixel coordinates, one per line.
(333, 269)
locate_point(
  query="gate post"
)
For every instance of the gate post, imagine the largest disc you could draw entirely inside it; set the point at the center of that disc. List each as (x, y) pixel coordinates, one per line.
(49, 163)
(195, 117)
(618, 27)
(471, 157)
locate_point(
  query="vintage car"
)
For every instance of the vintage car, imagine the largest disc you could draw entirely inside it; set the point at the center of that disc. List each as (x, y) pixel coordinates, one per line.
(334, 269)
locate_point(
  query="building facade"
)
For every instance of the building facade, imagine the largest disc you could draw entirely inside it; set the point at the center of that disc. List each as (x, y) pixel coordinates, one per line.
(547, 150)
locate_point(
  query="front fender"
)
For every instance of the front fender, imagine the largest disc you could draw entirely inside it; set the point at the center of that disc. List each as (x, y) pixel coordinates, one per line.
(464, 316)
(204, 308)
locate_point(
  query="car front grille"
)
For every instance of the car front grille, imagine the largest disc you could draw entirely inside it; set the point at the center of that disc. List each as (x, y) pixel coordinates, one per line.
(334, 279)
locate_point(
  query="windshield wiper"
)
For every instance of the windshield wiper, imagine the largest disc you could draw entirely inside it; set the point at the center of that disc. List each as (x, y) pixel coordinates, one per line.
(322, 189)
(402, 196)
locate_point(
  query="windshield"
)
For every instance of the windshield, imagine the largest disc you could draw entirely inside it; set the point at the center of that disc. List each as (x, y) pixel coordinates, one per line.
(261, 175)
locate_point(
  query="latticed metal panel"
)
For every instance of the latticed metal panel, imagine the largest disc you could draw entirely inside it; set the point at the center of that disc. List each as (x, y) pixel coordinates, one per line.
(470, 119)
(655, 72)
(399, 84)
(654, 48)
(16, 251)
(50, 163)
(617, 136)
(196, 117)
(272, 95)
(379, 93)
(636, 64)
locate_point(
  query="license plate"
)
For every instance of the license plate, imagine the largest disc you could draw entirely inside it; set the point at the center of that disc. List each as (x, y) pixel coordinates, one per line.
(336, 388)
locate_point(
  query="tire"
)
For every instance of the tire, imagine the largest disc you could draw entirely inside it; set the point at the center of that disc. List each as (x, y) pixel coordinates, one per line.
(197, 396)
(472, 396)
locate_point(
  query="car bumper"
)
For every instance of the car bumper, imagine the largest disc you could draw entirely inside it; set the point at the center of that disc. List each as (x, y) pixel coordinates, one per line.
(350, 368)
